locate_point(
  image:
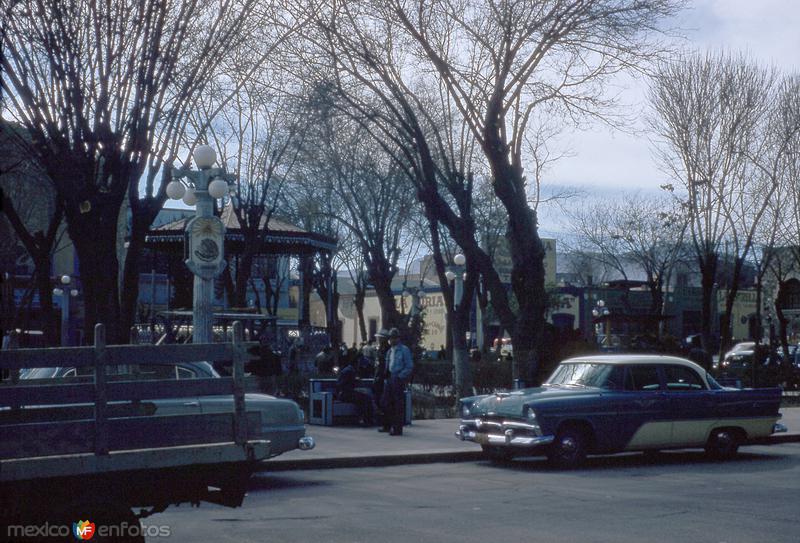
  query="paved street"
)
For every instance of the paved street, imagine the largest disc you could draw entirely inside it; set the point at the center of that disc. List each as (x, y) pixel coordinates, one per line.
(678, 496)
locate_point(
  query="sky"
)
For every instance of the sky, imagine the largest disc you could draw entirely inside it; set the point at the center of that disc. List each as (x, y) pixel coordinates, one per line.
(607, 163)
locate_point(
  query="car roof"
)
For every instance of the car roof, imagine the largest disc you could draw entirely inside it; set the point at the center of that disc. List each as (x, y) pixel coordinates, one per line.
(634, 359)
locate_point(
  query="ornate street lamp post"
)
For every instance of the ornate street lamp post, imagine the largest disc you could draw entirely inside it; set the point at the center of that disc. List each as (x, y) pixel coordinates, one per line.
(205, 234)
(456, 272)
(599, 311)
(66, 294)
(463, 376)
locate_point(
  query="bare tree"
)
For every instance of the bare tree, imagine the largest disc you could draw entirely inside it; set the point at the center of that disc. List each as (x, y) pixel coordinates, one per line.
(373, 201)
(635, 232)
(784, 164)
(105, 90)
(252, 122)
(711, 113)
(503, 63)
(28, 204)
(352, 257)
(421, 133)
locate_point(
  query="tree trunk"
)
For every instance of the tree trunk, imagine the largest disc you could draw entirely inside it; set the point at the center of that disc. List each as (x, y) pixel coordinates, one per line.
(527, 280)
(708, 273)
(227, 282)
(129, 297)
(726, 331)
(656, 304)
(45, 288)
(390, 316)
(358, 303)
(525, 245)
(95, 241)
(306, 267)
(243, 271)
(461, 365)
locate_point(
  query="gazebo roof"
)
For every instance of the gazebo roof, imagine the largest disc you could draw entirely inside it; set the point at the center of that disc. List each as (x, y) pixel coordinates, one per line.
(281, 236)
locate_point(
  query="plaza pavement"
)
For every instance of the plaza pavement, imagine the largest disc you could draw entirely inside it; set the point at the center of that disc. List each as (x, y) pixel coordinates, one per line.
(425, 441)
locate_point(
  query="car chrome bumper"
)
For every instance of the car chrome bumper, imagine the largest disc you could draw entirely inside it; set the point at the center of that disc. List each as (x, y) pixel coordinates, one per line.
(306, 443)
(507, 433)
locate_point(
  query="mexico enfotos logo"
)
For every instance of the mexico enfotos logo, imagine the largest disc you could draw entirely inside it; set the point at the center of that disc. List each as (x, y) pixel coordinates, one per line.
(85, 530)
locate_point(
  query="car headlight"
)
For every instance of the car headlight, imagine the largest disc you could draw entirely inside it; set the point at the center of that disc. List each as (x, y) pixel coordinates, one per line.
(530, 416)
(465, 410)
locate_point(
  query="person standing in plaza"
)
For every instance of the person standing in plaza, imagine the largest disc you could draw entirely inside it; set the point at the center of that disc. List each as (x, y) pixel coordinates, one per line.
(379, 383)
(400, 365)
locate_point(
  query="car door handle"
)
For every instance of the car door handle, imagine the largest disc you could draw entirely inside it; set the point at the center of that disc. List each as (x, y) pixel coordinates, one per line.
(191, 404)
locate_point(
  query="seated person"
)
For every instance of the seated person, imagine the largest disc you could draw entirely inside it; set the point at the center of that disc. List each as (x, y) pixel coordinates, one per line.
(346, 392)
(324, 360)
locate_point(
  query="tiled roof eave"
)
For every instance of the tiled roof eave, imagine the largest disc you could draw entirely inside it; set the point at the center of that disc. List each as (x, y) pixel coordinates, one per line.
(277, 239)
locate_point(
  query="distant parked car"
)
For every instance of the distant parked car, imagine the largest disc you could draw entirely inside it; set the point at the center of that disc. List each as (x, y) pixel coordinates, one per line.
(614, 403)
(744, 363)
(737, 348)
(282, 420)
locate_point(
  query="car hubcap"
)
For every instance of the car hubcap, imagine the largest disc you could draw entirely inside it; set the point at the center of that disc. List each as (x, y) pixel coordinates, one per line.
(568, 445)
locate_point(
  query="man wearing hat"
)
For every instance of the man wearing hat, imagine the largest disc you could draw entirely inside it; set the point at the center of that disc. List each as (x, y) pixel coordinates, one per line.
(399, 365)
(382, 337)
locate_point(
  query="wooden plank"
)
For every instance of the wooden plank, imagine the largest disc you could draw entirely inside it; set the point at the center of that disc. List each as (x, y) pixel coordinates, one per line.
(47, 358)
(119, 355)
(115, 391)
(240, 355)
(100, 399)
(168, 354)
(71, 437)
(164, 389)
(72, 412)
(71, 465)
(46, 394)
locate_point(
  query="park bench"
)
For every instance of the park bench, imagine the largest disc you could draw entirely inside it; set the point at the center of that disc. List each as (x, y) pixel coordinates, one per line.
(325, 410)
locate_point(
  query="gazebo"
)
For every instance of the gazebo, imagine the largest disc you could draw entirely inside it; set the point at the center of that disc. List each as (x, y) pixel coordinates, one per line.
(282, 239)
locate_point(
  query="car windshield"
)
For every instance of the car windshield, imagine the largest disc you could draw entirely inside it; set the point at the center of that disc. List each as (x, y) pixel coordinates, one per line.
(584, 374)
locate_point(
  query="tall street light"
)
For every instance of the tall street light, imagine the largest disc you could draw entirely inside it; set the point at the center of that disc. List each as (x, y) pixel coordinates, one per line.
(204, 234)
(456, 272)
(462, 377)
(66, 294)
(600, 310)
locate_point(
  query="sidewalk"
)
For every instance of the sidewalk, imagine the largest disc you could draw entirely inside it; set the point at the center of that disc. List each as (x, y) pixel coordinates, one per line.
(425, 441)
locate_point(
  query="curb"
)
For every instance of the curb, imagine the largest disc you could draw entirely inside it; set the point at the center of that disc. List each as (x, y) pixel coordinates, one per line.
(776, 439)
(382, 460)
(367, 461)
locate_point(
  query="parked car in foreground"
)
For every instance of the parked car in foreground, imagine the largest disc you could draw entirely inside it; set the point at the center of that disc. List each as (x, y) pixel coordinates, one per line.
(615, 403)
(282, 420)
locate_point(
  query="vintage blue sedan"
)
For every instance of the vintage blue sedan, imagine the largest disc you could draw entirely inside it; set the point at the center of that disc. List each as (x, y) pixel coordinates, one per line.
(615, 403)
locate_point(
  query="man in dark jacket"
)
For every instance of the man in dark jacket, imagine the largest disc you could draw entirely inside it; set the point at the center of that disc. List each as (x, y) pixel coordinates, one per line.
(346, 392)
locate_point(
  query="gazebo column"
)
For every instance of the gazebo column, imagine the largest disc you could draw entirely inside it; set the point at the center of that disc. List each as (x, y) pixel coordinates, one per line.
(303, 305)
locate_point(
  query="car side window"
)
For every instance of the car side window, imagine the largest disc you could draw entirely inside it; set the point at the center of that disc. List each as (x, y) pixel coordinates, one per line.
(682, 379)
(642, 378)
(157, 371)
(615, 379)
(185, 373)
